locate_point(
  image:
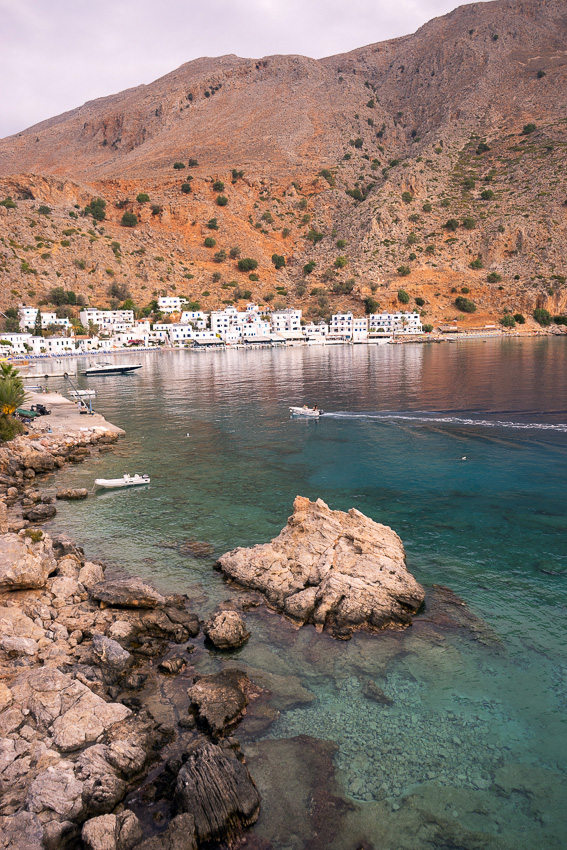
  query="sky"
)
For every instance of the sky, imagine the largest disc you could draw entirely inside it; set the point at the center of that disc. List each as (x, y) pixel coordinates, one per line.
(58, 54)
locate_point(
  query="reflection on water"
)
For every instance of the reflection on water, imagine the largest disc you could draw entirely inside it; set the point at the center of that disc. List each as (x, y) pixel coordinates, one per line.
(466, 746)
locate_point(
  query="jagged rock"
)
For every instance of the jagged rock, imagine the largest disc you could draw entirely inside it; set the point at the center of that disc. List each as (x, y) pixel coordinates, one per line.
(91, 574)
(57, 790)
(184, 618)
(372, 692)
(22, 831)
(39, 461)
(39, 513)
(220, 699)
(217, 790)
(227, 630)
(174, 665)
(179, 835)
(73, 713)
(111, 657)
(14, 646)
(112, 832)
(127, 593)
(340, 571)
(73, 493)
(5, 697)
(64, 545)
(14, 623)
(24, 564)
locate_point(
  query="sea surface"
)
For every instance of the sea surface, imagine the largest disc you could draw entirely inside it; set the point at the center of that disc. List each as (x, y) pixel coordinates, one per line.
(462, 449)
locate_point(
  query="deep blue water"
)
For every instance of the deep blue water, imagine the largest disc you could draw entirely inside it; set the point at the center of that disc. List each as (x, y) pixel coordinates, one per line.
(462, 449)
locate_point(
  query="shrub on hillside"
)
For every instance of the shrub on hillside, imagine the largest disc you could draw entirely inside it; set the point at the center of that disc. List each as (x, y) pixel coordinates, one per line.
(178, 165)
(465, 304)
(493, 277)
(520, 318)
(451, 224)
(403, 296)
(210, 242)
(186, 188)
(278, 260)
(486, 195)
(142, 198)
(247, 264)
(129, 219)
(97, 209)
(222, 201)
(508, 321)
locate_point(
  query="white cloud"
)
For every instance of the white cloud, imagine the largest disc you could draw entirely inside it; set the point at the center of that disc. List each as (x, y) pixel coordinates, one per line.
(57, 55)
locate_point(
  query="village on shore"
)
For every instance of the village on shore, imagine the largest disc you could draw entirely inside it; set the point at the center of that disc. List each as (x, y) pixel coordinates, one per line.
(181, 328)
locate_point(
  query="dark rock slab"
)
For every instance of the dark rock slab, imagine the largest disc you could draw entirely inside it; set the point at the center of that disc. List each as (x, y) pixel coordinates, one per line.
(39, 513)
(216, 788)
(220, 699)
(127, 593)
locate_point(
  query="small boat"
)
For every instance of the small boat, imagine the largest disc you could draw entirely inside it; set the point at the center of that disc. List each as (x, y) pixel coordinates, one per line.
(82, 393)
(111, 369)
(314, 412)
(125, 481)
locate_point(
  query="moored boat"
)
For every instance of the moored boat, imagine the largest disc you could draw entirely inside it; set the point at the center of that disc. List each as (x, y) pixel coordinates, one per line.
(111, 369)
(125, 481)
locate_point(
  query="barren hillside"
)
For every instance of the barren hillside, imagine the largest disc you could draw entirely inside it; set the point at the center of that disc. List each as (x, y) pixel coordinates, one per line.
(433, 163)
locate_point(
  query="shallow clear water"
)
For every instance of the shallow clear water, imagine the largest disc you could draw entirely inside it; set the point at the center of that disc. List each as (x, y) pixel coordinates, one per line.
(474, 741)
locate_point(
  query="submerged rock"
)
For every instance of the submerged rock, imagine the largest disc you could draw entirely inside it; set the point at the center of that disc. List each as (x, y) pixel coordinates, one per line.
(220, 699)
(339, 571)
(217, 790)
(73, 493)
(227, 630)
(127, 593)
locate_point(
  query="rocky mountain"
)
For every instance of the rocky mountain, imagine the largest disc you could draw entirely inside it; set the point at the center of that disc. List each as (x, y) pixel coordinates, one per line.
(432, 163)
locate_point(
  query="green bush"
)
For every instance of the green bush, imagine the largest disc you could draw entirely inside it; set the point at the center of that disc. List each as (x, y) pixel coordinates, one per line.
(129, 220)
(430, 249)
(247, 264)
(220, 256)
(234, 252)
(451, 224)
(403, 296)
(520, 319)
(186, 188)
(143, 198)
(356, 193)
(44, 210)
(527, 129)
(542, 317)
(427, 329)
(476, 264)
(315, 236)
(468, 223)
(465, 305)
(218, 186)
(508, 321)
(213, 224)
(427, 207)
(486, 195)
(358, 143)
(340, 262)
(308, 267)
(210, 242)
(8, 203)
(278, 260)
(178, 165)
(192, 163)
(493, 277)
(328, 175)
(97, 209)
(469, 183)
(560, 320)
(407, 197)
(341, 243)
(403, 271)
(343, 287)
(370, 305)
(420, 301)
(482, 148)
(156, 209)
(412, 238)
(222, 201)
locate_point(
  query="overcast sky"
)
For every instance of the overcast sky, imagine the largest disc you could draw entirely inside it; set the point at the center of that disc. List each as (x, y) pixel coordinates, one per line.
(57, 54)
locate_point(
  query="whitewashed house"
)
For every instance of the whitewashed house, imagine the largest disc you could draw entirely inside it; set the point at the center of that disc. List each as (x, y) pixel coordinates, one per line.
(395, 323)
(106, 318)
(28, 316)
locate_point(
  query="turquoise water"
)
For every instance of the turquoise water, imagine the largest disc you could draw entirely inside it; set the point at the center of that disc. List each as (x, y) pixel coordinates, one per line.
(472, 750)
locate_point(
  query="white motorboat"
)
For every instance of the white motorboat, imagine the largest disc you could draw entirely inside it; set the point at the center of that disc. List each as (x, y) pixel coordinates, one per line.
(313, 412)
(125, 481)
(111, 368)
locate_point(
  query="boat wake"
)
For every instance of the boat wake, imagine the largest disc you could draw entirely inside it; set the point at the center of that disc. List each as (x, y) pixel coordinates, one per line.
(432, 419)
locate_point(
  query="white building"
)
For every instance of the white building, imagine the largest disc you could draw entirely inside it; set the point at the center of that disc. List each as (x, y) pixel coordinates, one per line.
(194, 317)
(316, 333)
(28, 317)
(223, 320)
(17, 342)
(341, 325)
(106, 318)
(286, 321)
(52, 345)
(399, 323)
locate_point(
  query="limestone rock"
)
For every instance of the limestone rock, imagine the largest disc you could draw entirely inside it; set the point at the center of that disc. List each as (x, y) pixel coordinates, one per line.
(227, 630)
(73, 493)
(179, 835)
(39, 513)
(339, 571)
(24, 564)
(127, 593)
(91, 574)
(21, 831)
(220, 699)
(111, 657)
(217, 790)
(112, 832)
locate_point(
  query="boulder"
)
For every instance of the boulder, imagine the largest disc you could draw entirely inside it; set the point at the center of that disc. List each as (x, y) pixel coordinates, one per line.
(215, 787)
(227, 630)
(339, 571)
(112, 832)
(127, 593)
(21, 831)
(179, 835)
(24, 564)
(111, 657)
(39, 513)
(39, 461)
(91, 574)
(73, 493)
(220, 699)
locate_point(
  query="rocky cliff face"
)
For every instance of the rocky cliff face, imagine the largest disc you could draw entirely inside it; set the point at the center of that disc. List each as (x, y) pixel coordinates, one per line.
(451, 143)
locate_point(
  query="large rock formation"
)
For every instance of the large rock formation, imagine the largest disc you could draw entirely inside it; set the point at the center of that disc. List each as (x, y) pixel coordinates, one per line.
(339, 571)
